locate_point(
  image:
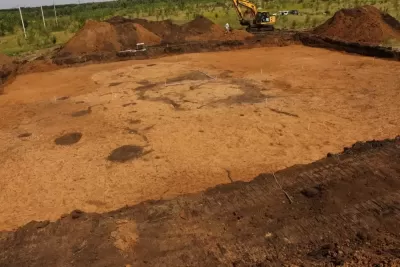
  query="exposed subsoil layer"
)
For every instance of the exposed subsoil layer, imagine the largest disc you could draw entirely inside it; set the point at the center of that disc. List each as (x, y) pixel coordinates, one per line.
(208, 118)
(340, 211)
(367, 25)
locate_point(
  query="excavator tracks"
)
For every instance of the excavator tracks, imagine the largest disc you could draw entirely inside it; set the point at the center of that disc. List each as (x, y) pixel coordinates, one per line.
(343, 209)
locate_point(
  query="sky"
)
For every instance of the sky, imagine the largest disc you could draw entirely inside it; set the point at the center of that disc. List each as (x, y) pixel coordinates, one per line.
(32, 3)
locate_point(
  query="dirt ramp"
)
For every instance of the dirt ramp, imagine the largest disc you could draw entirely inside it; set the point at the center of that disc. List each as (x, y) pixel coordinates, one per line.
(365, 25)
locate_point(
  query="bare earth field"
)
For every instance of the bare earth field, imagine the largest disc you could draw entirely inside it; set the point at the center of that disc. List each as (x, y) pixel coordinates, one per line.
(201, 119)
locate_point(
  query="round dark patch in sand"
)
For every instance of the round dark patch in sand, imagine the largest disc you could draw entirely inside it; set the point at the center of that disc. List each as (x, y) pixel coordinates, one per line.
(68, 139)
(125, 153)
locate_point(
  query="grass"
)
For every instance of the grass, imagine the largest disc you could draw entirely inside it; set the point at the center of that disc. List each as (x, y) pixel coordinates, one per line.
(312, 13)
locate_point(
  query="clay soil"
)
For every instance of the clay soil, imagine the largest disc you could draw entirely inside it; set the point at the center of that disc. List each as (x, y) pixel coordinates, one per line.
(339, 211)
(366, 25)
(199, 120)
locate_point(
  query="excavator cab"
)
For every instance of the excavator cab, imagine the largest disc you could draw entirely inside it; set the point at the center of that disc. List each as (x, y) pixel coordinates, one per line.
(264, 20)
(261, 19)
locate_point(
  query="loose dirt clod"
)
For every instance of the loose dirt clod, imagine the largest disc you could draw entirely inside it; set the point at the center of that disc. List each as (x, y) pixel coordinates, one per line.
(365, 24)
(81, 113)
(68, 139)
(24, 135)
(76, 214)
(125, 153)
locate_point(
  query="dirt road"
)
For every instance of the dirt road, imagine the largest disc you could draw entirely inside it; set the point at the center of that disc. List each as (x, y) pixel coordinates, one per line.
(340, 211)
(198, 119)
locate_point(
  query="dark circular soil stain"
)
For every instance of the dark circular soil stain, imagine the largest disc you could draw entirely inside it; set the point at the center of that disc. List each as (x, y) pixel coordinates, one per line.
(311, 192)
(125, 153)
(68, 139)
(24, 135)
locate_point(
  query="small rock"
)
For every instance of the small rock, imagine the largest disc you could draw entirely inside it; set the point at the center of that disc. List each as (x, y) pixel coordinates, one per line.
(76, 214)
(268, 235)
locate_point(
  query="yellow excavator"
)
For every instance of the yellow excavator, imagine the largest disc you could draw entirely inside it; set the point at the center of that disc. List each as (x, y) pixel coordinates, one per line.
(256, 20)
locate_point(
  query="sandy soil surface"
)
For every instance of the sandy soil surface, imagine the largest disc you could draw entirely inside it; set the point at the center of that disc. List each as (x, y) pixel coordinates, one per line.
(201, 119)
(342, 210)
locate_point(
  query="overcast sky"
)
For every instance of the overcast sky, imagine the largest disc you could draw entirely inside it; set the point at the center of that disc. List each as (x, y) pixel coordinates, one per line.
(25, 3)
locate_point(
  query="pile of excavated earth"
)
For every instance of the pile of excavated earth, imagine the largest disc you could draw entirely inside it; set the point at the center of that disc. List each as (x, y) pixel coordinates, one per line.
(364, 25)
(118, 33)
(351, 30)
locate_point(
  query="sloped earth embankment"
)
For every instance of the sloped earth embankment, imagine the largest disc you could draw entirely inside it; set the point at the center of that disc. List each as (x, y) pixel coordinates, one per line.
(343, 209)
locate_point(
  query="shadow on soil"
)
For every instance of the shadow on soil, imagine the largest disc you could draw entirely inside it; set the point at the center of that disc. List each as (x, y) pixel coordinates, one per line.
(68, 139)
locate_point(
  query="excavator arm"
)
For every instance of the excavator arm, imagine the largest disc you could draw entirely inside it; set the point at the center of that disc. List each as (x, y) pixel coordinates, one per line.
(244, 3)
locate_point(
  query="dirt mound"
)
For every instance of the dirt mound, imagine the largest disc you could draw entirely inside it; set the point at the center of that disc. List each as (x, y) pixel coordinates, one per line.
(7, 69)
(199, 29)
(107, 37)
(203, 29)
(199, 25)
(361, 25)
(94, 37)
(101, 40)
(129, 33)
(165, 29)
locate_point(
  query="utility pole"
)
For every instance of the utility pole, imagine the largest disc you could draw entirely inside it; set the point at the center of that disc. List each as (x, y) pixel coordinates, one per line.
(44, 22)
(22, 21)
(55, 13)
